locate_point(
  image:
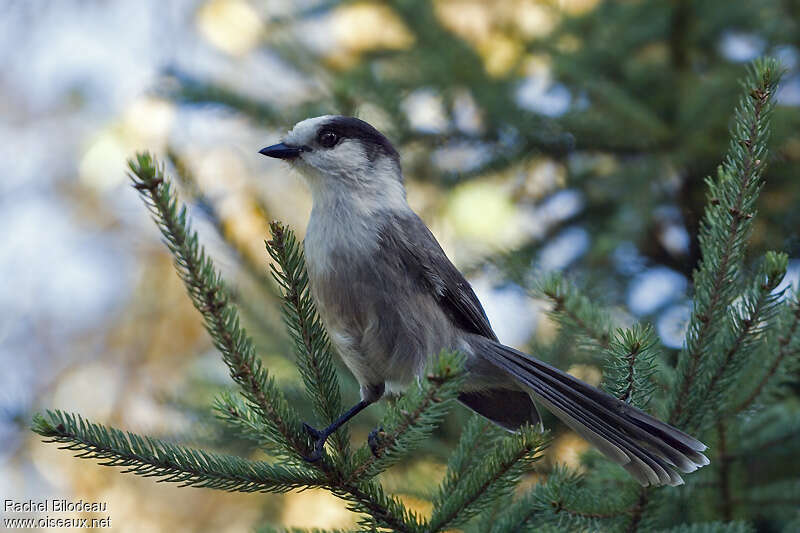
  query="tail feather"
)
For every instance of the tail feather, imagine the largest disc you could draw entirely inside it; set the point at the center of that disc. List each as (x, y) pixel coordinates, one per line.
(647, 448)
(635, 463)
(647, 468)
(674, 444)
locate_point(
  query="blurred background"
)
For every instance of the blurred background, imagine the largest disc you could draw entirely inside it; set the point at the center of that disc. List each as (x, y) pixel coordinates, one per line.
(536, 136)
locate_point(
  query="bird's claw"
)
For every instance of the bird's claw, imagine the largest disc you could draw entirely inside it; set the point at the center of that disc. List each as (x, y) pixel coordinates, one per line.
(311, 430)
(374, 440)
(319, 442)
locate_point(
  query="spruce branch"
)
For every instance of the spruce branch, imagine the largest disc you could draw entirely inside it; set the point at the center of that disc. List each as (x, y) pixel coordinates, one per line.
(723, 233)
(412, 419)
(559, 501)
(576, 311)
(787, 335)
(383, 511)
(312, 347)
(209, 295)
(630, 365)
(235, 412)
(197, 196)
(409, 422)
(725, 227)
(494, 478)
(744, 330)
(478, 434)
(711, 527)
(144, 456)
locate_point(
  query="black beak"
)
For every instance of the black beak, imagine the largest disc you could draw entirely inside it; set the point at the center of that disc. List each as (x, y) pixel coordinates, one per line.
(281, 151)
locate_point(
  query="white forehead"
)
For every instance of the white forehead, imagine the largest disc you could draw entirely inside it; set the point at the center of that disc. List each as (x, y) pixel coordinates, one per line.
(305, 130)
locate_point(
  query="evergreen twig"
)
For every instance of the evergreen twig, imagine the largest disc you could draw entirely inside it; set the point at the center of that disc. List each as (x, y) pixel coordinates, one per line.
(382, 510)
(559, 501)
(723, 232)
(576, 311)
(494, 478)
(312, 347)
(208, 293)
(170, 463)
(477, 434)
(711, 527)
(787, 335)
(724, 229)
(746, 324)
(630, 365)
(234, 411)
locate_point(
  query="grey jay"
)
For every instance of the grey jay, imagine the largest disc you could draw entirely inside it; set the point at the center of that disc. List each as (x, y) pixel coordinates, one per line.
(389, 298)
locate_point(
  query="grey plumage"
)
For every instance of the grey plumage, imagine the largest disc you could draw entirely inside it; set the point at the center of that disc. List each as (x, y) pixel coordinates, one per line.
(390, 298)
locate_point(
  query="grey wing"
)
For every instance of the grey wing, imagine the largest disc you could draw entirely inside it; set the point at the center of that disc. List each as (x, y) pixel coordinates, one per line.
(422, 257)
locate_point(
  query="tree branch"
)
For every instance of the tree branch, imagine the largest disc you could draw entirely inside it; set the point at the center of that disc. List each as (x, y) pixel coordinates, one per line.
(725, 225)
(786, 349)
(487, 482)
(144, 456)
(209, 295)
(575, 310)
(312, 347)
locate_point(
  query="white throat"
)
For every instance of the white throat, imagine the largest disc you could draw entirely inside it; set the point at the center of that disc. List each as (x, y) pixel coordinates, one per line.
(346, 213)
(363, 189)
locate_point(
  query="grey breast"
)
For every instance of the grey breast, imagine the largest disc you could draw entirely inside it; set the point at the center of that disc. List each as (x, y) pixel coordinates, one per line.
(378, 309)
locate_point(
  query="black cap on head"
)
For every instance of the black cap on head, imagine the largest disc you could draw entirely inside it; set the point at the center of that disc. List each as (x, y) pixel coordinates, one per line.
(373, 141)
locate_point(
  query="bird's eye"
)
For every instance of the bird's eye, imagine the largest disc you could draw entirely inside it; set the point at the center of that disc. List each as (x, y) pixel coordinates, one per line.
(328, 139)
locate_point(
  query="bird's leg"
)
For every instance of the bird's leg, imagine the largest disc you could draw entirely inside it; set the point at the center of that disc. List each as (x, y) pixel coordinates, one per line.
(369, 395)
(322, 436)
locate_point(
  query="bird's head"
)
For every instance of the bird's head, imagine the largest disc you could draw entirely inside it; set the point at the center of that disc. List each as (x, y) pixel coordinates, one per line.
(341, 154)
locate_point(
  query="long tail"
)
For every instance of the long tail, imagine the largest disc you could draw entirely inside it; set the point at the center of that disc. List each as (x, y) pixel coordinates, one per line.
(647, 448)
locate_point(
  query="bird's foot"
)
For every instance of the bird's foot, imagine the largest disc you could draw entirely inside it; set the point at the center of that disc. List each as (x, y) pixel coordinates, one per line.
(374, 440)
(319, 442)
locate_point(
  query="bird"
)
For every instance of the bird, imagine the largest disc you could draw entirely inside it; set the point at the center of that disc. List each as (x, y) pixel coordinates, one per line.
(389, 298)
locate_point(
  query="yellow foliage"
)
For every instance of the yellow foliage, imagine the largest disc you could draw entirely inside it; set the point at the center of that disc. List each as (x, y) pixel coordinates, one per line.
(588, 373)
(567, 449)
(233, 26)
(500, 54)
(366, 26)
